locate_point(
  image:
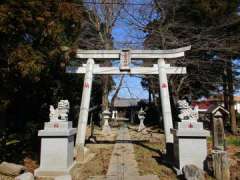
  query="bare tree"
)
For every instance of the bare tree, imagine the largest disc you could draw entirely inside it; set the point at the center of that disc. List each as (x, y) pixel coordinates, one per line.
(103, 14)
(117, 91)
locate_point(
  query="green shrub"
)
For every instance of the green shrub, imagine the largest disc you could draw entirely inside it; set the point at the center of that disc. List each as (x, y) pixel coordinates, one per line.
(233, 140)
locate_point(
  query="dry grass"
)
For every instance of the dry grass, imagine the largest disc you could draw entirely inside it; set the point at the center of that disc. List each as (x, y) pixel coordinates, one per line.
(99, 164)
(233, 150)
(3, 177)
(148, 146)
(148, 159)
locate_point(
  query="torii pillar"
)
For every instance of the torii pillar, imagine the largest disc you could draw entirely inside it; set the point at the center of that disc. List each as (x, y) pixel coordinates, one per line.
(83, 115)
(166, 107)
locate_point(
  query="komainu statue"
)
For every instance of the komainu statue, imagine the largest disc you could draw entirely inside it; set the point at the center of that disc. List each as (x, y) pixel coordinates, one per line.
(186, 112)
(61, 112)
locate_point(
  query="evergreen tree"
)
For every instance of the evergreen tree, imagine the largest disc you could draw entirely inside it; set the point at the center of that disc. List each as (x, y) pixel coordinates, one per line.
(33, 47)
(212, 28)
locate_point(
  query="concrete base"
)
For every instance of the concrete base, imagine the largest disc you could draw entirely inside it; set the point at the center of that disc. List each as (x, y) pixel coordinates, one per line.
(40, 172)
(56, 151)
(190, 147)
(57, 145)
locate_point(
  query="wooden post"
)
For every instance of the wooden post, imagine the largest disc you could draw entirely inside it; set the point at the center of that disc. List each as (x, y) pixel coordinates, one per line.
(220, 165)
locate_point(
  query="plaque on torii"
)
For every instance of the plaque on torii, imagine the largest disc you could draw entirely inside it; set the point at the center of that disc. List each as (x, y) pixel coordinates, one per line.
(125, 56)
(125, 60)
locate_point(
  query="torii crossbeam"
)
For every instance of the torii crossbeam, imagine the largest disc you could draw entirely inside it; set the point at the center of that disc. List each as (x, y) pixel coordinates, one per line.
(125, 57)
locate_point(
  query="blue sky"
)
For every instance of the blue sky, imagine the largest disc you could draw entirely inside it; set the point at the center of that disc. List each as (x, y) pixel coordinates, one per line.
(127, 33)
(131, 87)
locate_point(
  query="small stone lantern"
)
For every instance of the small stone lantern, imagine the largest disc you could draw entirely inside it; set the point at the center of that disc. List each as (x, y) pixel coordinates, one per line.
(141, 117)
(106, 116)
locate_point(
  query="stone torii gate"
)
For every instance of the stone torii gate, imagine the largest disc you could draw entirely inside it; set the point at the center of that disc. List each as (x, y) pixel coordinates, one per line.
(125, 56)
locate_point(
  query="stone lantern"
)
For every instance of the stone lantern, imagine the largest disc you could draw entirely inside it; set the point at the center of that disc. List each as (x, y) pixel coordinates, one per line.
(141, 117)
(106, 115)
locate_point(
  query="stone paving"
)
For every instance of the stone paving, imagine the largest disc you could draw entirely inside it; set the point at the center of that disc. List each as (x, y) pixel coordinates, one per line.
(123, 165)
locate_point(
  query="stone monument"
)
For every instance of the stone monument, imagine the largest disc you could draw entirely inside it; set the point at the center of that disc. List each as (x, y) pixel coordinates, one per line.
(57, 143)
(220, 160)
(190, 139)
(141, 117)
(218, 115)
(218, 132)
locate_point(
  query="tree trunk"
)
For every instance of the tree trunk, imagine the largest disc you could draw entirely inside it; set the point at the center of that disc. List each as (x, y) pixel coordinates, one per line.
(106, 79)
(231, 98)
(225, 89)
(220, 165)
(117, 91)
(149, 91)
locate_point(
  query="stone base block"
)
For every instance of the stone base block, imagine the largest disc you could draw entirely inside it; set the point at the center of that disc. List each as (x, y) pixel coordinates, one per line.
(106, 129)
(40, 172)
(190, 148)
(65, 177)
(181, 171)
(189, 124)
(57, 125)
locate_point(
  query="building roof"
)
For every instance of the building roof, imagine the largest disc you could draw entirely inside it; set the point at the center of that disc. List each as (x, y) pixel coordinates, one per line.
(202, 104)
(126, 102)
(221, 98)
(214, 108)
(212, 100)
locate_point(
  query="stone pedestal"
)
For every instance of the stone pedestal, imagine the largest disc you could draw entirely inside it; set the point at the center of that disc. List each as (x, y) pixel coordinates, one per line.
(190, 145)
(141, 117)
(57, 147)
(141, 125)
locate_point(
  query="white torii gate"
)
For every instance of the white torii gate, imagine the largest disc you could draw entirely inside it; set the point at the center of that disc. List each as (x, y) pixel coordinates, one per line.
(125, 57)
